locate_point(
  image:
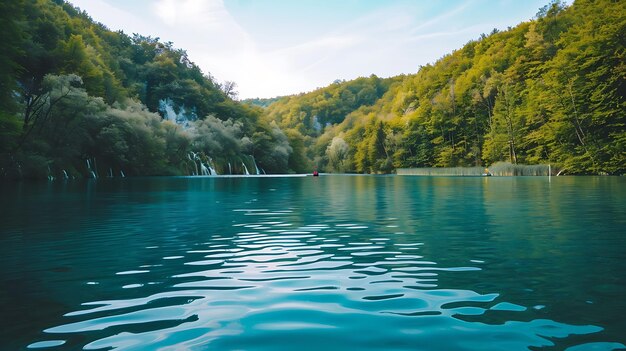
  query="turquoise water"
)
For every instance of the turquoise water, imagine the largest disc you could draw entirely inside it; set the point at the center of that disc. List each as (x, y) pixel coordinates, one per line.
(304, 263)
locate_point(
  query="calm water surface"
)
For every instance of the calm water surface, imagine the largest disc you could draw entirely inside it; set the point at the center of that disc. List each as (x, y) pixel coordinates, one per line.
(303, 263)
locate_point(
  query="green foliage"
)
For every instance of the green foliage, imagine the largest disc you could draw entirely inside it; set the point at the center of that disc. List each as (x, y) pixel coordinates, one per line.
(547, 91)
(311, 113)
(77, 97)
(261, 102)
(10, 130)
(299, 161)
(12, 38)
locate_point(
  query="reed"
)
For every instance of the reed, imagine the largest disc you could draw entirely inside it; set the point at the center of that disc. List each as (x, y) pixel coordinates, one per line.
(508, 169)
(442, 171)
(497, 169)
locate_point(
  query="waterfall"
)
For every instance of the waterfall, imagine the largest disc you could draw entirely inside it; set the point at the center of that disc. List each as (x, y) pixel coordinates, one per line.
(65, 175)
(212, 167)
(166, 108)
(204, 169)
(182, 118)
(245, 169)
(50, 177)
(193, 157)
(95, 167)
(122, 174)
(110, 172)
(91, 170)
(230, 170)
(255, 166)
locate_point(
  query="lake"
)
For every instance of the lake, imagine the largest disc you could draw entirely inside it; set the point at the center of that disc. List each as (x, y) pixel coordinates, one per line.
(335, 262)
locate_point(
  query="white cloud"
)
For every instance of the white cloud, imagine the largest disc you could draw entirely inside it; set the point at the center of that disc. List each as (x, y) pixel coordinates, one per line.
(193, 13)
(387, 40)
(201, 25)
(113, 17)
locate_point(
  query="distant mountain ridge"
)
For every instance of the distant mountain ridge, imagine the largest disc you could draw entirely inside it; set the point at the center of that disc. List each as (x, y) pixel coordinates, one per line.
(261, 102)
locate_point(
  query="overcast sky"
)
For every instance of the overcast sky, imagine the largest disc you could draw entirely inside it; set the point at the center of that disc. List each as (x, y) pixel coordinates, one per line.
(281, 47)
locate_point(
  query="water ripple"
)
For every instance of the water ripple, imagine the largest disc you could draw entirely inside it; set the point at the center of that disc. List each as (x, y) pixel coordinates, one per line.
(268, 283)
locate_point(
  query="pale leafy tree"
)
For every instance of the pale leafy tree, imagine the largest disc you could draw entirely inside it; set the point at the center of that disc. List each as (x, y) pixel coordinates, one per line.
(337, 152)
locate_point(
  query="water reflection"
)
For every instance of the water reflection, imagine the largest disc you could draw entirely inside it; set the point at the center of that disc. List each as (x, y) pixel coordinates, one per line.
(306, 281)
(331, 262)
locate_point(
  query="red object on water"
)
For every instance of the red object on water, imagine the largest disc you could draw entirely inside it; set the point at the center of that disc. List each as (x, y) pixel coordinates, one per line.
(315, 174)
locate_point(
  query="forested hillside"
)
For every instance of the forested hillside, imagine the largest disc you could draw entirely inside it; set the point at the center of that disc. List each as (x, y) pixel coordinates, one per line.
(80, 100)
(304, 117)
(547, 91)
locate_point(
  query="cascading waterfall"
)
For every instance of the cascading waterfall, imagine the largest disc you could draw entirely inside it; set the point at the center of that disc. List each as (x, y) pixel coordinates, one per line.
(192, 158)
(255, 166)
(182, 118)
(245, 169)
(95, 168)
(90, 170)
(65, 175)
(205, 169)
(230, 170)
(211, 166)
(122, 174)
(110, 172)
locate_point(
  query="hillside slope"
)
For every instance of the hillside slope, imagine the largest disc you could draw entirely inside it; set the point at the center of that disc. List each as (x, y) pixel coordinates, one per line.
(546, 91)
(80, 100)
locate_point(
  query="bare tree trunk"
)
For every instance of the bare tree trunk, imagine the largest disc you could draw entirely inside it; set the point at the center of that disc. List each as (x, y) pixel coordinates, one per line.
(36, 113)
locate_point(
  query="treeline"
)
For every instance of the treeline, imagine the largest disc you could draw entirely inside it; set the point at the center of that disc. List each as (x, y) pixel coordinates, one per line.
(77, 98)
(305, 117)
(547, 91)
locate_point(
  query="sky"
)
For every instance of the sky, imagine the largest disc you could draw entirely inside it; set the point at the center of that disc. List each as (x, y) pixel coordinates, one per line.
(281, 47)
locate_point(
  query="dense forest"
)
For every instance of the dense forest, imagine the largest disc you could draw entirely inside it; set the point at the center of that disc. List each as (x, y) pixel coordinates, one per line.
(306, 116)
(547, 91)
(79, 100)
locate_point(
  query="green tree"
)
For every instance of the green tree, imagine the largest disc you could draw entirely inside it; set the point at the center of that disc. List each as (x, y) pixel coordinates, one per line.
(337, 153)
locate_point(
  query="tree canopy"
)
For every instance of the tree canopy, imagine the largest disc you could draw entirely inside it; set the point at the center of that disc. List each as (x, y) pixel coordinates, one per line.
(550, 90)
(77, 100)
